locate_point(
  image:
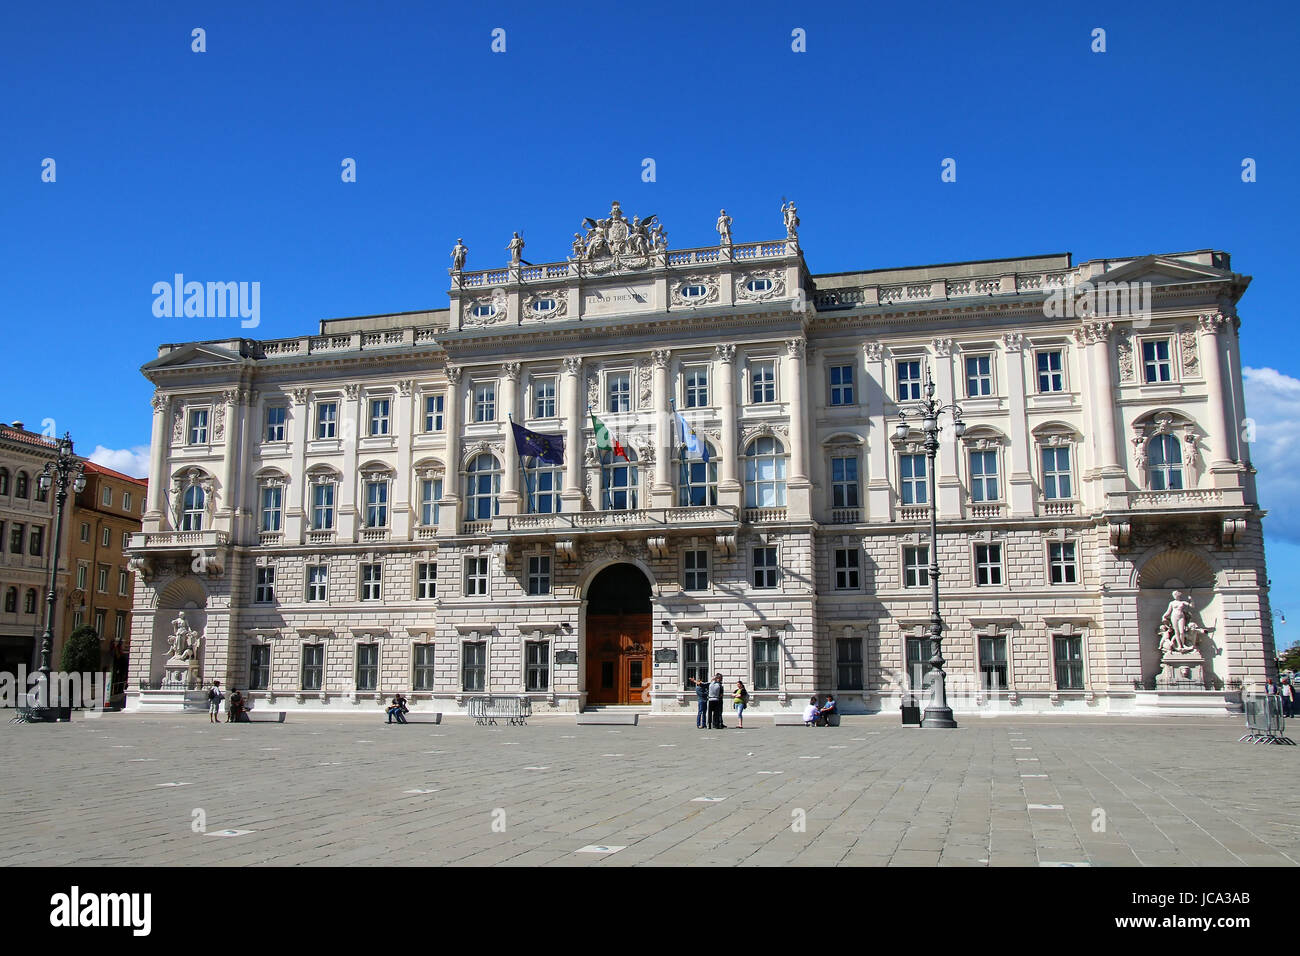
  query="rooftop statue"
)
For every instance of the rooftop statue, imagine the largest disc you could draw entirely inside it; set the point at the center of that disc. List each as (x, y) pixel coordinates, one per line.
(458, 254)
(724, 227)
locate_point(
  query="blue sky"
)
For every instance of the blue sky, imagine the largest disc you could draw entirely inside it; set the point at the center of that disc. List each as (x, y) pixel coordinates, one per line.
(225, 165)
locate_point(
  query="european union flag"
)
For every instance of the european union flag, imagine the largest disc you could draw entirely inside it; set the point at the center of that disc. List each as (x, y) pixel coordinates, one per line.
(548, 448)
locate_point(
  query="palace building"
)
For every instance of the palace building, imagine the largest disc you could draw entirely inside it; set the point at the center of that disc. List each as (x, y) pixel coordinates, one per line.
(349, 514)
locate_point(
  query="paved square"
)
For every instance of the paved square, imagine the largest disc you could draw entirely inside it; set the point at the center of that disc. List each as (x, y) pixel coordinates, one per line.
(333, 791)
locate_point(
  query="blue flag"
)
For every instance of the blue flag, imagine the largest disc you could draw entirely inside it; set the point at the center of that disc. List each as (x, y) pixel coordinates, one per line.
(548, 448)
(693, 445)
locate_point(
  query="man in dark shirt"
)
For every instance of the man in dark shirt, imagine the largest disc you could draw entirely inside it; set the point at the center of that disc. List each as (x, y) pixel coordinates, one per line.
(702, 702)
(715, 703)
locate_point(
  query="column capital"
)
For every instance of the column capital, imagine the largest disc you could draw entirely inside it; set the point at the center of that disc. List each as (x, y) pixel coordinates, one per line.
(160, 401)
(510, 371)
(874, 351)
(351, 390)
(660, 357)
(942, 347)
(797, 348)
(1212, 322)
(1013, 341)
(300, 395)
(1090, 333)
(453, 373)
(726, 353)
(572, 364)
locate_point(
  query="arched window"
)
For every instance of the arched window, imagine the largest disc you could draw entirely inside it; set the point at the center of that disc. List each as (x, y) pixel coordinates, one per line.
(765, 474)
(1164, 463)
(192, 515)
(618, 484)
(4, 481)
(29, 602)
(697, 481)
(482, 485)
(544, 482)
(11, 600)
(20, 485)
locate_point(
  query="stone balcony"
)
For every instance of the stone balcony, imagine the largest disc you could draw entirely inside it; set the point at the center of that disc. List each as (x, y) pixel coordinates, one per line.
(588, 523)
(178, 540)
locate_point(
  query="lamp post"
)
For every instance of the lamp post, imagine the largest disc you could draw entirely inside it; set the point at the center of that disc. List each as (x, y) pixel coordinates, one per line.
(927, 411)
(64, 471)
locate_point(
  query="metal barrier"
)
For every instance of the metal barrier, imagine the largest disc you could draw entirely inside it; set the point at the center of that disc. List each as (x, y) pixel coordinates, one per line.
(486, 710)
(1264, 721)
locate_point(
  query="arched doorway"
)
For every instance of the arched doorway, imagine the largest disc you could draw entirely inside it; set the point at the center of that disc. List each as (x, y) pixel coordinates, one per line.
(619, 637)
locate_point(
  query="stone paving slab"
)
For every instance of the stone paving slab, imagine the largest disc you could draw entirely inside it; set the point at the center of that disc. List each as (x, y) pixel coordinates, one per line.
(332, 791)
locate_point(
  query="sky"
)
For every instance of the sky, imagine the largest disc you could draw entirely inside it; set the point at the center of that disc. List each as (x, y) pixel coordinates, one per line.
(227, 164)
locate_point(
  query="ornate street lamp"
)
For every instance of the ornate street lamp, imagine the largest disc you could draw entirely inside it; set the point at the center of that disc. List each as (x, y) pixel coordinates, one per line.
(64, 471)
(927, 411)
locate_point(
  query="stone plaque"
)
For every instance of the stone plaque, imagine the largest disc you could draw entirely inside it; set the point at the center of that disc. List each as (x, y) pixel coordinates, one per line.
(617, 299)
(666, 655)
(566, 657)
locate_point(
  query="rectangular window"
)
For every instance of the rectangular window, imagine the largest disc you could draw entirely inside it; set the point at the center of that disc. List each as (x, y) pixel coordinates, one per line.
(695, 570)
(327, 419)
(82, 571)
(198, 428)
(767, 665)
(1156, 366)
(264, 589)
(908, 376)
(841, 378)
(765, 568)
(476, 577)
(377, 503)
(1051, 378)
(126, 501)
(979, 375)
(1068, 655)
(984, 476)
(920, 650)
(911, 472)
(423, 663)
(107, 496)
(539, 574)
(313, 666)
(1056, 473)
(367, 667)
(697, 386)
(380, 409)
(618, 392)
(318, 582)
(101, 579)
(99, 623)
(695, 661)
(105, 538)
(537, 665)
(123, 583)
(473, 665)
(430, 495)
(426, 581)
(762, 379)
(126, 540)
(259, 667)
(275, 419)
(485, 402)
(119, 626)
(36, 541)
(848, 572)
(271, 499)
(916, 567)
(1061, 561)
(844, 482)
(993, 662)
(322, 506)
(544, 397)
(848, 663)
(988, 564)
(85, 533)
(433, 405)
(372, 582)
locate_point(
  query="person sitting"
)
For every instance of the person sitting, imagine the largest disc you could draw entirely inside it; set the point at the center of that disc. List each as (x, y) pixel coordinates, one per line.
(238, 708)
(811, 712)
(397, 709)
(827, 715)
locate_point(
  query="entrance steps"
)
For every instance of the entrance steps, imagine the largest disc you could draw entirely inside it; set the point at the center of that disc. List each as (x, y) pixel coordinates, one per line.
(610, 715)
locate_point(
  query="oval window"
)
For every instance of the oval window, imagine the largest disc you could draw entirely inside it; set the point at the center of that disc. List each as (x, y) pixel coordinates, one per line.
(694, 291)
(758, 285)
(544, 305)
(483, 311)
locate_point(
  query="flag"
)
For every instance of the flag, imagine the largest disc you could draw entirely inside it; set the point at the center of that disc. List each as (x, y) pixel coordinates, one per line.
(605, 441)
(547, 448)
(693, 445)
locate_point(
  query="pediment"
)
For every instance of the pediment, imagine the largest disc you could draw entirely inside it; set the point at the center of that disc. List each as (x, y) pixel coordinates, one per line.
(194, 355)
(1161, 270)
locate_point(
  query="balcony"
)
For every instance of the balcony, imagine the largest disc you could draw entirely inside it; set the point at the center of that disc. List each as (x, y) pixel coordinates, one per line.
(321, 536)
(178, 540)
(1056, 507)
(374, 535)
(846, 515)
(985, 509)
(764, 515)
(914, 513)
(650, 520)
(1180, 498)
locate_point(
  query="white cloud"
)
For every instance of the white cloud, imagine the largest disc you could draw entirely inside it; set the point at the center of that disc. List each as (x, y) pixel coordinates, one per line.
(1273, 404)
(132, 461)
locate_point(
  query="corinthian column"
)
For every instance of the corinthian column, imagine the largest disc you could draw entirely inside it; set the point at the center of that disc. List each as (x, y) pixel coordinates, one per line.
(1219, 421)
(798, 487)
(509, 500)
(571, 497)
(449, 505)
(158, 462)
(728, 486)
(1095, 337)
(230, 470)
(661, 492)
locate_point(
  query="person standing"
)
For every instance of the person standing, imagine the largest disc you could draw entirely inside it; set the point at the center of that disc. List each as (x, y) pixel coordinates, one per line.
(215, 697)
(715, 704)
(740, 700)
(1288, 697)
(701, 702)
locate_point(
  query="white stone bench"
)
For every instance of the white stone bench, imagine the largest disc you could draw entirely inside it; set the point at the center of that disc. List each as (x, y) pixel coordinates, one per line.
(265, 716)
(422, 717)
(608, 718)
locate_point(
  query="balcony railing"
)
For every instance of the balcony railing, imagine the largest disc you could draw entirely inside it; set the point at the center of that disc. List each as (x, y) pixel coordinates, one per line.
(985, 509)
(477, 527)
(763, 515)
(641, 518)
(914, 513)
(323, 536)
(1180, 498)
(180, 539)
(270, 537)
(1056, 506)
(846, 515)
(371, 535)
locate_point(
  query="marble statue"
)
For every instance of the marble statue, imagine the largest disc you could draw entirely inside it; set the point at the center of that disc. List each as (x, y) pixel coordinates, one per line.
(659, 237)
(1179, 634)
(458, 254)
(184, 642)
(724, 228)
(791, 217)
(516, 248)
(579, 245)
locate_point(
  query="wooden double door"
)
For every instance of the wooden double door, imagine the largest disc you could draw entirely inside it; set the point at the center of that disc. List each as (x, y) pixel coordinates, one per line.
(619, 658)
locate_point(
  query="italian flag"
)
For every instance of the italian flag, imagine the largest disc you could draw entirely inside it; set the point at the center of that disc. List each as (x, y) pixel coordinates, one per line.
(605, 441)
